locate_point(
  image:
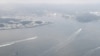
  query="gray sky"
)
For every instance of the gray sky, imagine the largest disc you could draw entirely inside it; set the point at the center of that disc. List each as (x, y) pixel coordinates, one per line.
(51, 1)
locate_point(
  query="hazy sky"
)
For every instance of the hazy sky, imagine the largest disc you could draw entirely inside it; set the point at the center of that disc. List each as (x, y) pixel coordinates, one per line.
(51, 1)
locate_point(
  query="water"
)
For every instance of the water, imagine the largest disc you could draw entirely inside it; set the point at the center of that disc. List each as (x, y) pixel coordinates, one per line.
(50, 36)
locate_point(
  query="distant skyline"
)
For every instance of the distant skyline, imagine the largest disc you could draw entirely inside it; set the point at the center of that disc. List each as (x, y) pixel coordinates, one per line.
(51, 1)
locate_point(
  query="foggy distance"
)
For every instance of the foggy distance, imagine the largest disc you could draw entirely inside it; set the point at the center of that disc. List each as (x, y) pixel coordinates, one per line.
(49, 28)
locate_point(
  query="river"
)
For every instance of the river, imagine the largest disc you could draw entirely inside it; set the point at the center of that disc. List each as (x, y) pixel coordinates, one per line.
(51, 35)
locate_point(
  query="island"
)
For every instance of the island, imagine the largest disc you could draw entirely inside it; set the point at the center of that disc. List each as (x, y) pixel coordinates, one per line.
(10, 23)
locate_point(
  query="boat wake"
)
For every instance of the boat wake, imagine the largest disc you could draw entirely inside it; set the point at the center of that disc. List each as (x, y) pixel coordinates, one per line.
(62, 44)
(89, 53)
(18, 41)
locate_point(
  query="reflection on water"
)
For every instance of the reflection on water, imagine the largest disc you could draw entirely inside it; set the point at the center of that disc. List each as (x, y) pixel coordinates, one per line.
(51, 35)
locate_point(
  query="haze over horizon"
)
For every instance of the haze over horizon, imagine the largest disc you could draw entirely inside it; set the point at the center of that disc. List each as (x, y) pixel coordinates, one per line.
(50, 1)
